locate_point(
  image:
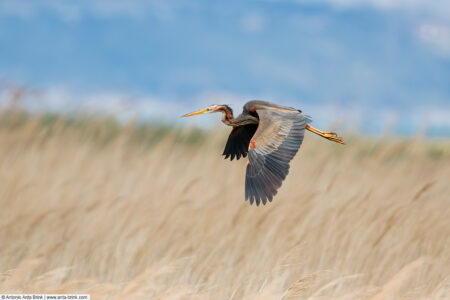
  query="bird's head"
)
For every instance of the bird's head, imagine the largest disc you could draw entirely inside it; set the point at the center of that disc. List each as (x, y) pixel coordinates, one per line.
(208, 110)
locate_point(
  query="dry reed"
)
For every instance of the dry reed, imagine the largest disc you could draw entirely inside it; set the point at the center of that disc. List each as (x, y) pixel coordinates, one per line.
(127, 216)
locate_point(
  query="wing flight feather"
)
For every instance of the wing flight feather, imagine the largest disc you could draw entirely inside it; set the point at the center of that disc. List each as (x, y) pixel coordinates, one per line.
(238, 141)
(277, 139)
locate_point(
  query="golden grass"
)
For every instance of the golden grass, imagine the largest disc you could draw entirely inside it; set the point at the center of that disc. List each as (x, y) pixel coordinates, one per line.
(129, 219)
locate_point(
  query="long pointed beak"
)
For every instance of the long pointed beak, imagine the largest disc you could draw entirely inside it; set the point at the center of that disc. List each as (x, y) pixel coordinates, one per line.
(198, 112)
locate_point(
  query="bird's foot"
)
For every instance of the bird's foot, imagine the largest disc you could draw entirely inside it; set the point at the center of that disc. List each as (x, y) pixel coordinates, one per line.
(333, 137)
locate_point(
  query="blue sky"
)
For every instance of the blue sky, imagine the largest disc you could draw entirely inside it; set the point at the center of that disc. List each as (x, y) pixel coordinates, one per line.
(365, 62)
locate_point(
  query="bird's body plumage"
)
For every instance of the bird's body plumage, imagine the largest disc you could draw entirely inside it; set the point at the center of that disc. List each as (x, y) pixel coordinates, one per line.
(270, 134)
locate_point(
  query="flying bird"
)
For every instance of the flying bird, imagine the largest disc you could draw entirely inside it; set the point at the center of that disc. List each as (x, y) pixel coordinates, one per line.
(270, 134)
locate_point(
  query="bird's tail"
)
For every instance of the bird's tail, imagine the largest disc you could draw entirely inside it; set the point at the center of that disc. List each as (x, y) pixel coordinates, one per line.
(328, 135)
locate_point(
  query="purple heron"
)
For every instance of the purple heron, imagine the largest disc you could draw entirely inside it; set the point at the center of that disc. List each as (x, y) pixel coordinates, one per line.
(271, 135)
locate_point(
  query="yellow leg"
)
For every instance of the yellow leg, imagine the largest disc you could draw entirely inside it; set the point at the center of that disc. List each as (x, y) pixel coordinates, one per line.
(328, 135)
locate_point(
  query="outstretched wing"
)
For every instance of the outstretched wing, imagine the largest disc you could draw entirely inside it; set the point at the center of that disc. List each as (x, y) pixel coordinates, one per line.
(238, 141)
(276, 141)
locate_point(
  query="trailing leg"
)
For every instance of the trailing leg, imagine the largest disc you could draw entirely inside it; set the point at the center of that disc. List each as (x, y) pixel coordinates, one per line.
(328, 135)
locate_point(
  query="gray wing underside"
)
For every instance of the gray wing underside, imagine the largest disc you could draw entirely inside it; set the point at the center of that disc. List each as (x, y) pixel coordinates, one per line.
(276, 141)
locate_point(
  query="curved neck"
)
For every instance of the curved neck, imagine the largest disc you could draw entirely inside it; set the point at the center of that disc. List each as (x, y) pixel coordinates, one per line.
(227, 115)
(228, 119)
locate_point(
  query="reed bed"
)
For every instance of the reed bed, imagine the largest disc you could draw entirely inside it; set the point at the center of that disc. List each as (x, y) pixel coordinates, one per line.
(152, 212)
